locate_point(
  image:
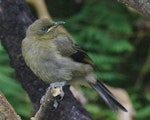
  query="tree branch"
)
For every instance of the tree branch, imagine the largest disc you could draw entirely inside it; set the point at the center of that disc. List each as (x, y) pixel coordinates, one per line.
(41, 8)
(6, 111)
(141, 6)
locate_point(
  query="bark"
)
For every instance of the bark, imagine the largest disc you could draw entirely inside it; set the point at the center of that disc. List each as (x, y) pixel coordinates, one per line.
(6, 110)
(142, 6)
(15, 17)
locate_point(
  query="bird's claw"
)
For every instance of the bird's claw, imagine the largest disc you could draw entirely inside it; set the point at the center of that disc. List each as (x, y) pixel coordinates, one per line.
(57, 92)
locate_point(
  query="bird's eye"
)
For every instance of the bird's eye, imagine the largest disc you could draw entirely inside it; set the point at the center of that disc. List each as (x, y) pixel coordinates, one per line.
(45, 28)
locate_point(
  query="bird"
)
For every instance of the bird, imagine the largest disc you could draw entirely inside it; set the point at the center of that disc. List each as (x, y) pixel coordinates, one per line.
(57, 59)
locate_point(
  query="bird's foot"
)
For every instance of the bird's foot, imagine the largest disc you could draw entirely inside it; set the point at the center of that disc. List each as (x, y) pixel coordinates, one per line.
(56, 89)
(57, 93)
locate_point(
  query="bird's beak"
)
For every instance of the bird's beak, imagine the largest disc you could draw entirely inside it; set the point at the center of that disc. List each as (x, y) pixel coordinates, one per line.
(56, 24)
(59, 23)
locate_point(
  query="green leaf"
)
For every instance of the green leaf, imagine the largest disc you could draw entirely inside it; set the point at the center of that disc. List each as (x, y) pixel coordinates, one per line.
(144, 112)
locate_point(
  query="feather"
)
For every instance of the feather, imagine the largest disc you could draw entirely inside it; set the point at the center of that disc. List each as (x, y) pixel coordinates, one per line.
(107, 96)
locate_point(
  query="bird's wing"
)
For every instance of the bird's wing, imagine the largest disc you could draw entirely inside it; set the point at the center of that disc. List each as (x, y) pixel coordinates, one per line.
(68, 48)
(81, 56)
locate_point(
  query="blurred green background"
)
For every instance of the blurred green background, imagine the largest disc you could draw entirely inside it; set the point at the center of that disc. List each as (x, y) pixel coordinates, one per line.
(118, 41)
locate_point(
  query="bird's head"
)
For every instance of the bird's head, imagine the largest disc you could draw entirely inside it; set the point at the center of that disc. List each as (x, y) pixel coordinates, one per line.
(43, 27)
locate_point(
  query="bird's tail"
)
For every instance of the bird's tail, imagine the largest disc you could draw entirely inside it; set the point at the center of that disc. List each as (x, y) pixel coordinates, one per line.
(107, 96)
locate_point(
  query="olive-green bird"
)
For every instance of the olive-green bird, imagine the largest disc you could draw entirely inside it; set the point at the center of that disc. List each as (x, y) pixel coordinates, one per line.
(55, 58)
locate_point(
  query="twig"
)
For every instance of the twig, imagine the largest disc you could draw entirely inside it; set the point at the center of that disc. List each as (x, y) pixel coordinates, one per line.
(124, 98)
(41, 8)
(6, 111)
(141, 6)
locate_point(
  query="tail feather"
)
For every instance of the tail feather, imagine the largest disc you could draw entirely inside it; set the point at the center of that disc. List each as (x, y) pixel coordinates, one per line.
(107, 96)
